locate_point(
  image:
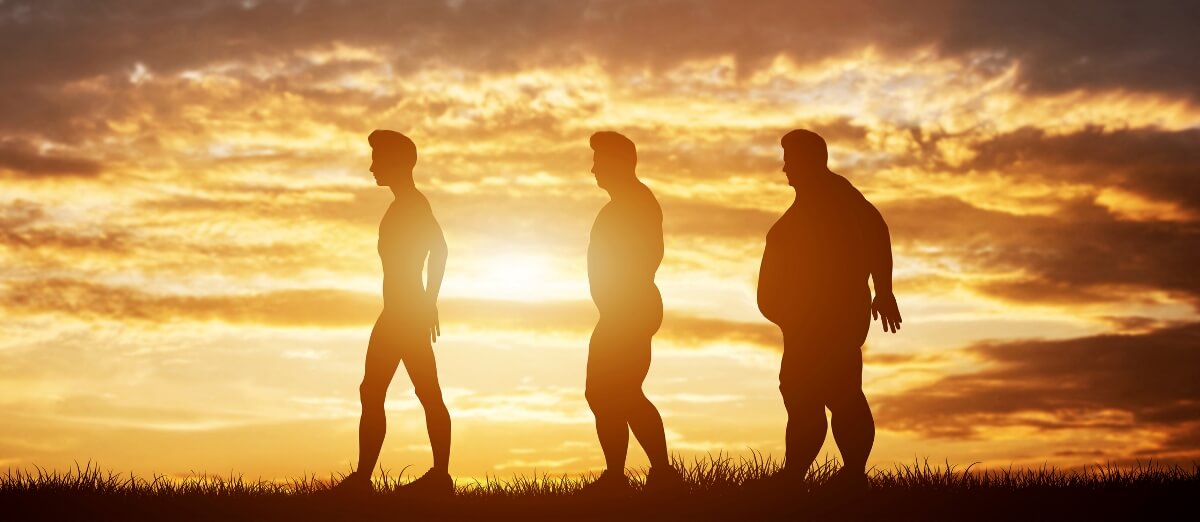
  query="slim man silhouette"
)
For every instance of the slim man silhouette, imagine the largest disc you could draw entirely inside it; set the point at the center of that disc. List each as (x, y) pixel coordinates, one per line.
(813, 284)
(625, 250)
(408, 323)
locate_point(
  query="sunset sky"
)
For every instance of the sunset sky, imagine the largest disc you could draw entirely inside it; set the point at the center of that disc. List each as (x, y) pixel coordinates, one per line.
(188, 273)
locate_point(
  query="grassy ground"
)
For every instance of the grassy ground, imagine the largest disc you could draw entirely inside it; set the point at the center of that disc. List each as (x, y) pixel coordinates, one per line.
(715, 491)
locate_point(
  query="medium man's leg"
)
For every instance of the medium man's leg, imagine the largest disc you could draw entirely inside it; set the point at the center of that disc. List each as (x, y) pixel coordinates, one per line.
(601, 391)
(422, 369)
(647, 426)
(382, 360)
(644, 419)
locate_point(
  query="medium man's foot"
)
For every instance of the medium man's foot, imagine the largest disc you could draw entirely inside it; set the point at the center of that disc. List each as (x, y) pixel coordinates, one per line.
(783, 481)
(356, 483)
(847, 482)
(434, 483)
(609, 483)
(664, 479)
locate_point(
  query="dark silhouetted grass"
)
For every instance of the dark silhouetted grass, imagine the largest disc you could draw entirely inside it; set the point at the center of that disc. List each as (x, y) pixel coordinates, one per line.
(715, 490)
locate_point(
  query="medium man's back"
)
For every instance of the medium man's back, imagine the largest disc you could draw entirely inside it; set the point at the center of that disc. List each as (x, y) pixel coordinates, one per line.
(624, 253)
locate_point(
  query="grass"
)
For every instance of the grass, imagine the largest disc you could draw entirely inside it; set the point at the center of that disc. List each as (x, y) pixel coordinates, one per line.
(715, 490)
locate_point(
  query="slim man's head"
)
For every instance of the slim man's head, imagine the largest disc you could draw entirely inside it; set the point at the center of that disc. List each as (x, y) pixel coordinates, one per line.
(614, 160)
(393, 157)
(804, 154)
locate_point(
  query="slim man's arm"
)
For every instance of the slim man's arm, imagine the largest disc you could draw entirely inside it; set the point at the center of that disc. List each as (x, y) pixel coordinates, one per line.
(437, 269)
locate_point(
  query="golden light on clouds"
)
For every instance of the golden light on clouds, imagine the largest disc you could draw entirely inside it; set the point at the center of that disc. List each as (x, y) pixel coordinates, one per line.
(188, 228)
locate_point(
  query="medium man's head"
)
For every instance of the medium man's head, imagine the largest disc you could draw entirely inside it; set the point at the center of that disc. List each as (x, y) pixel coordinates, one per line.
(804, 154)
(615, 158)
(393, 157)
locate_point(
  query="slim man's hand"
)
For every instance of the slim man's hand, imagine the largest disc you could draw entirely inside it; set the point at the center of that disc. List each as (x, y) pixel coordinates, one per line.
(887, 311)
(435, 328)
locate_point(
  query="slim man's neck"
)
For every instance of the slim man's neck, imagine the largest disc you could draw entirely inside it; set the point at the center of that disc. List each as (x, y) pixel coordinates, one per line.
(623, 186)
(404, 185)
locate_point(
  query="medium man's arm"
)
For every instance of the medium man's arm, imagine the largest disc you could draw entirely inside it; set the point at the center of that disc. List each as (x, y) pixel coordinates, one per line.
(879, 248)
(437, 269)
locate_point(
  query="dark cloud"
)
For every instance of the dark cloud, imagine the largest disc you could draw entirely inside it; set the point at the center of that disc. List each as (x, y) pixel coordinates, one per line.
(1107, 382)
(1060, 45)
(24, 160)
(1080, 254)
(1159, 164)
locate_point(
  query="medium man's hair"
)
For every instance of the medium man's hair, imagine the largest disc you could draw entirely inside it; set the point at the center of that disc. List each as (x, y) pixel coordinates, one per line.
(807, 145)
(616, 145)
(394, 144)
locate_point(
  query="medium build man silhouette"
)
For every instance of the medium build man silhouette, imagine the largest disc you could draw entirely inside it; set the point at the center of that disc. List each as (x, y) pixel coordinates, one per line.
(813, 284)
(408, 324)
(624, 252)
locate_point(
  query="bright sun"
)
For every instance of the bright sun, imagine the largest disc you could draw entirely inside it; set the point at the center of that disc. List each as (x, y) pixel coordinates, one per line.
(508, 276)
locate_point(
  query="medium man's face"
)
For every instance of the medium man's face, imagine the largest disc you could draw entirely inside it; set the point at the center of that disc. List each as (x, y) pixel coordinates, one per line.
(603, 168)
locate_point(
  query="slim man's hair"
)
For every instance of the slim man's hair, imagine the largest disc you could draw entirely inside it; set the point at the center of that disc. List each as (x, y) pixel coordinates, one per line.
(616, 145)
(808, 146)
(395, 144)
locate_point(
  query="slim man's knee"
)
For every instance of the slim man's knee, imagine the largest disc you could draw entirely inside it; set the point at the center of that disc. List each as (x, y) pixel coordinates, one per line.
(430, 397)
(371, 395)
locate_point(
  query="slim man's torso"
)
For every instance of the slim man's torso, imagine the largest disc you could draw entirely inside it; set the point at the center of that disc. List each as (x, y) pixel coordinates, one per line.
(404, 242)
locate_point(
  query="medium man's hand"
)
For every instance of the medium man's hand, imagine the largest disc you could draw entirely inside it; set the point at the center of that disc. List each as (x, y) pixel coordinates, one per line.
(887, 311)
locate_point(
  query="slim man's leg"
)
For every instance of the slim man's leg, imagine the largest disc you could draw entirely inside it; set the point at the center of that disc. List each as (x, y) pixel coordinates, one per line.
(806, 429)
(422, 369)
(853, 429)
(381, 362)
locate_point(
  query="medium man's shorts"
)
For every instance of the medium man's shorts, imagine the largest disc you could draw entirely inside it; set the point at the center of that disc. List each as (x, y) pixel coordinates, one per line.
(619, 354)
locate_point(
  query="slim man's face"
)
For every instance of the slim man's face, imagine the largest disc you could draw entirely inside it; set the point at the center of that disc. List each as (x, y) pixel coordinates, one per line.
(385, 167)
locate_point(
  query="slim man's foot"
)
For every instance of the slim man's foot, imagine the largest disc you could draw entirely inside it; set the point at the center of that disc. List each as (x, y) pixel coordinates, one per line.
(608, 483)
(434, 483)
(664, 479)
(355, 483)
